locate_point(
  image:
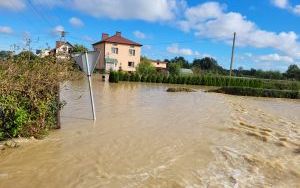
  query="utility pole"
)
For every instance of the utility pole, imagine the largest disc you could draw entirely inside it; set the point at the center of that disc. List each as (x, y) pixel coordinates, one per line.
(232, 53)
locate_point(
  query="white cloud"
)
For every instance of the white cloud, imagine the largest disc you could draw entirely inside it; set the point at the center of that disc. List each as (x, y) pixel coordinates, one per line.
(88, 38)
(281, 3)
(154, 10)
(147, 47)
(285, 4)
(5, 30)
(76, 22)
(217, 24)
(58, 29)
(174, 49)
(50, 3)
(275, 58)
(139, 34)
(14, 5)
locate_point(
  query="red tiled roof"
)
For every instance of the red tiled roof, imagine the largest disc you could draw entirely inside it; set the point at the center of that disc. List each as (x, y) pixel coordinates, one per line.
(119, 40)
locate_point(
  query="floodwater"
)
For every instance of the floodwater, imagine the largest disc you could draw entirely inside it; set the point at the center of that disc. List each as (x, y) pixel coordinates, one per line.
(146, 137)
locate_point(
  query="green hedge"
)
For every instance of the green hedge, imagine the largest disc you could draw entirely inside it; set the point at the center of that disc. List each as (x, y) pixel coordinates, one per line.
(259, 92)
(190, 80)
(208, 80)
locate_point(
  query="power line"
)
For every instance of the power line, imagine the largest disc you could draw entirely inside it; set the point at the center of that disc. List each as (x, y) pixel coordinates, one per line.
(39, 14)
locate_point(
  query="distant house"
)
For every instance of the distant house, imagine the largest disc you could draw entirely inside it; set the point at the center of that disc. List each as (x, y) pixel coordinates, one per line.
(43, 53)
(159, 65)
(62, 50)
(117, 53)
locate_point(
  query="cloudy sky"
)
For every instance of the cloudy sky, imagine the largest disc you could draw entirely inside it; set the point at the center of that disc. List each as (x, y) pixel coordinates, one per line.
(267, 30)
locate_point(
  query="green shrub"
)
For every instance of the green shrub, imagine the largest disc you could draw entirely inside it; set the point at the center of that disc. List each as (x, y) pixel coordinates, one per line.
(137, 77)
(148, 78)
(113, 77)
(144, 78)
(153, 78)
(125, 77)
(132, 78)
(28, 96)
(121, 76)
(259, 92)
(165, 79)
(159, 79)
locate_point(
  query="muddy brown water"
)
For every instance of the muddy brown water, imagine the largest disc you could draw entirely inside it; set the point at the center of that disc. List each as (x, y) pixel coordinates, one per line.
(146, 137)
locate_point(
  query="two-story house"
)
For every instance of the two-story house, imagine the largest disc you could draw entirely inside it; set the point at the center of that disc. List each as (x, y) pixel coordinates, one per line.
(117, 53)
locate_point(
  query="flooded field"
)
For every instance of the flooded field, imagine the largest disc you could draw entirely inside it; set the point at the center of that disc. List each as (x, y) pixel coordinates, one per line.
(146, 137)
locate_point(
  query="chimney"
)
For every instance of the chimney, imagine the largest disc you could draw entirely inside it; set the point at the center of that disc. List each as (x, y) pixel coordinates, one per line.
(104, 36)
(118, 33)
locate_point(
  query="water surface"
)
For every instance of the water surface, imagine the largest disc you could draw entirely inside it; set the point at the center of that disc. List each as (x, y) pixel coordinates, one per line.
(146, 137)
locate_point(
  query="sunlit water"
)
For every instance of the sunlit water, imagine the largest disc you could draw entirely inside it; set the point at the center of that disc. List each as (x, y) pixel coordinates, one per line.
(146, 137)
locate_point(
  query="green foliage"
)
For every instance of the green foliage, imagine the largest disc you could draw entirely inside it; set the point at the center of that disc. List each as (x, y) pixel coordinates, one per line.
(180, 61)
(221, 81)
(28, 95)
(207, 64)
(126, 77)
(153, 78)
(79, 48)
(145, 67)
(114, 77)
(121, 76)
(137, 77)
(26, 55)
(174, 69)
(293, 72)
(259, 92)
(4, 55)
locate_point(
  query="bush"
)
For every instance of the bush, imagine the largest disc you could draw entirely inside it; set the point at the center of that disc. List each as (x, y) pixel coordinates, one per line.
(137, 77)
(28, 96)
(153, 78)
(144, 78)
(113, 77)
(258, 92)
(126, 77)
(121, 75)
(159, 79)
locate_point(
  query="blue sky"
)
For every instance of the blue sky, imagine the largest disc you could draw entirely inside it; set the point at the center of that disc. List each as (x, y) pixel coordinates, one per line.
(267, 31)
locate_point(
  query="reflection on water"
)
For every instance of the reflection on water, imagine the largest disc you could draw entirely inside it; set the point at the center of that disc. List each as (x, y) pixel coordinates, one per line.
(146, 137)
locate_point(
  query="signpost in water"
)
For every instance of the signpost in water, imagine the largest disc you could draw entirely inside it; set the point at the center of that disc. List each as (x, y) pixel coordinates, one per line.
(87, 62)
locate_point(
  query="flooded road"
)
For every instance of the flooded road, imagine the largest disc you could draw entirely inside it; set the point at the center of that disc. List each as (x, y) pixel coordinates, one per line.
(146, 137)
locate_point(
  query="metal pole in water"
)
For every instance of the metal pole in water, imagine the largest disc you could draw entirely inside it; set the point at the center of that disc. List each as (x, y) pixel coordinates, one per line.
(232, 54)
(90, 86)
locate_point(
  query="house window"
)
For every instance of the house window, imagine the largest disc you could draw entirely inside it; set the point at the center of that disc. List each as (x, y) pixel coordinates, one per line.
(130, 64)
(157, 63)
(114, 50)
(132, 52)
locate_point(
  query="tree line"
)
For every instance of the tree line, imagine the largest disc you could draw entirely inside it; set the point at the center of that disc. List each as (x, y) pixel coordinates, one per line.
(209, 65)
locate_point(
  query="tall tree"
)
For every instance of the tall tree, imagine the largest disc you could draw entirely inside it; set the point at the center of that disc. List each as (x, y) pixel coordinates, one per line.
(79, 48)
(174, 69)
(183, 63)
(208, 64)
(293, 72)
(145, 67)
